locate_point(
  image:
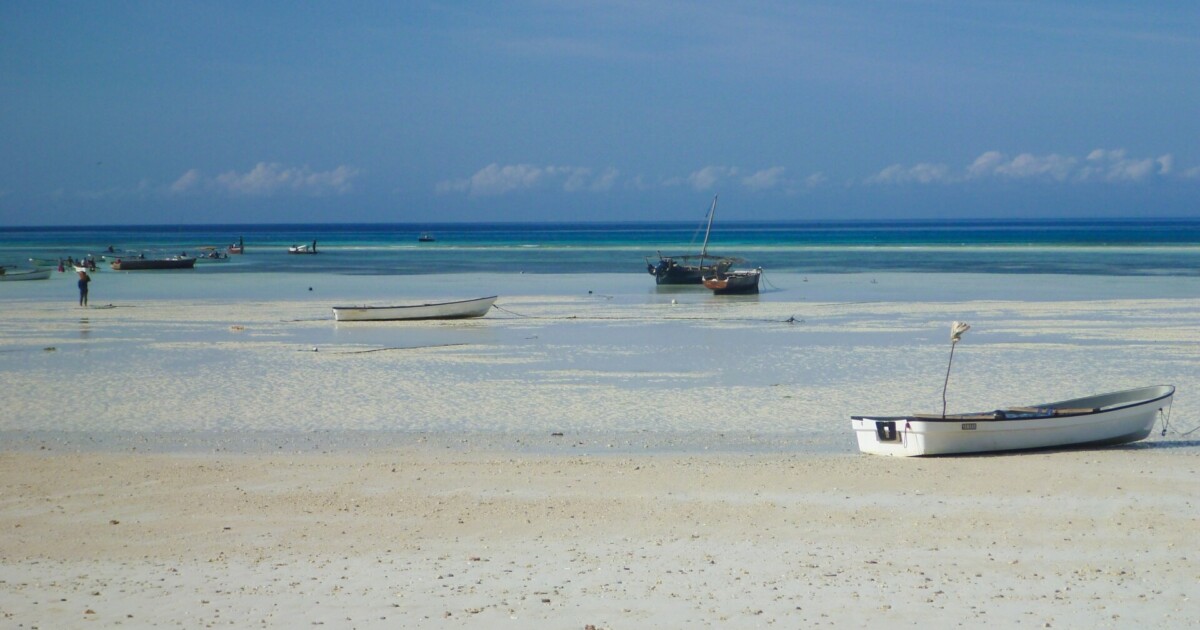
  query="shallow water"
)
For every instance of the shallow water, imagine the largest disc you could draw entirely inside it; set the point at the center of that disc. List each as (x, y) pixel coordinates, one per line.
(627, 366)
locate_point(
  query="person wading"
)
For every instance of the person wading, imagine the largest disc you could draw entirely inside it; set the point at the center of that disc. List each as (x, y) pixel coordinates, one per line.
(84, 279)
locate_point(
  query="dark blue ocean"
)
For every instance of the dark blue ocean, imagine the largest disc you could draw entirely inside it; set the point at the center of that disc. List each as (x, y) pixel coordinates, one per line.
(1100, 247)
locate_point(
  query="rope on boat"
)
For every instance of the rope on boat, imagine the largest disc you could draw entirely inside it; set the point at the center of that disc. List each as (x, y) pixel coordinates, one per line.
(501, 308)
(770, 284)
(1166, 421)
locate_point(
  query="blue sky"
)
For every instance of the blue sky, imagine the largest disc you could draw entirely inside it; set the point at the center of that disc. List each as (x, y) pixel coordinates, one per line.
(207, 112)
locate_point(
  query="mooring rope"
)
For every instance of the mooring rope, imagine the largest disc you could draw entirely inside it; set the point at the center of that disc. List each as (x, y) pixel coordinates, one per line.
(1166, 421)
(438, 345)
(768, 282)
(790, 320)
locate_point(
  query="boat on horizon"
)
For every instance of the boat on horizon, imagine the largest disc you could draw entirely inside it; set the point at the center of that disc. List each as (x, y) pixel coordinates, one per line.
(211, 254)
(459, 309)
(690, 268)
(425, 237)
(1100, 420)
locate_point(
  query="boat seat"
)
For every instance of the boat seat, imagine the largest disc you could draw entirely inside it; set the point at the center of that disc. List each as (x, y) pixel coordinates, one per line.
(1057, 411)
(958, 416)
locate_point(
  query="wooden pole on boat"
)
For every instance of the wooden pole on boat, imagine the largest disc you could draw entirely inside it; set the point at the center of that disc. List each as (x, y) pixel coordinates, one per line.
(711, 212)
(956, 332)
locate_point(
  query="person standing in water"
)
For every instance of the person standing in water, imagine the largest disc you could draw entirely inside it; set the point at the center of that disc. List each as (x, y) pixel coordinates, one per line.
(84, 279)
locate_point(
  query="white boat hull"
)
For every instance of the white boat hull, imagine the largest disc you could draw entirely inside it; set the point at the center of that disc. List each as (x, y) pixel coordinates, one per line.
(461, 309)
(32, 274)
(1106, 419)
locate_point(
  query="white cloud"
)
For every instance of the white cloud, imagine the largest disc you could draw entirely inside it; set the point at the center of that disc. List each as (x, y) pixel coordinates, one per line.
(1027, 165)
(638, 182)
(1114, 166)
(186, 182)
(815, 180)
(986, 164)
(1101, 165)
(269, 178)
(922, 173)
(266, 179)
(495, 179)
(708, 177)
(764, 179)
(605, 180)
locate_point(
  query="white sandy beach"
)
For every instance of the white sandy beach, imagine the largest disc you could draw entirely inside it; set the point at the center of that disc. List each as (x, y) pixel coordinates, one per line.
(417, 538)
(204, 460)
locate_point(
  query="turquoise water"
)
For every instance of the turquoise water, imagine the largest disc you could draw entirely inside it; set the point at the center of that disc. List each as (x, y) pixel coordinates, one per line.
(1111, 248)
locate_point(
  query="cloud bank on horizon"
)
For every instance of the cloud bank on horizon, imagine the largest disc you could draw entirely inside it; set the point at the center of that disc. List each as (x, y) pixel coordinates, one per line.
(1098, 166)
(278, 180)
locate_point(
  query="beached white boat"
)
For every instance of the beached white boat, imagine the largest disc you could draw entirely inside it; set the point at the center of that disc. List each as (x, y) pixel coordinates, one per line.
(1101, 420)
(460, 309)
(23, 274)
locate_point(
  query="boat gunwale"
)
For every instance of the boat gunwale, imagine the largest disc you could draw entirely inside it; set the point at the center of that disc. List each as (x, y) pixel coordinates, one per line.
(368, 308)
(960, 417)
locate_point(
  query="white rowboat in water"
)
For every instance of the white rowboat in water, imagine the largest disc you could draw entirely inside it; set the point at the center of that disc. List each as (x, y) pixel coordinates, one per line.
(1101, 420)
(460, 309)
(24, 274)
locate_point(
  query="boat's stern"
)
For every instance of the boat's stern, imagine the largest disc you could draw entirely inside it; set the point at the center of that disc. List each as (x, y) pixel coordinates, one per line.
(887, 436)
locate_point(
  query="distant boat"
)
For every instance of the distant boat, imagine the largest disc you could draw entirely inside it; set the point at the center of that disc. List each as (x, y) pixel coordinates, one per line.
(426, 237)
(139, 264)
(211, 255)
(303, 249)
(7, 275)
(690, 268)
(237, 248)
(740, 282)
(461, 309)
(1101, 420)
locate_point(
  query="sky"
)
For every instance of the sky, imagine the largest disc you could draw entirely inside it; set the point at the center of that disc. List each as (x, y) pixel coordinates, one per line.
(127, 112)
